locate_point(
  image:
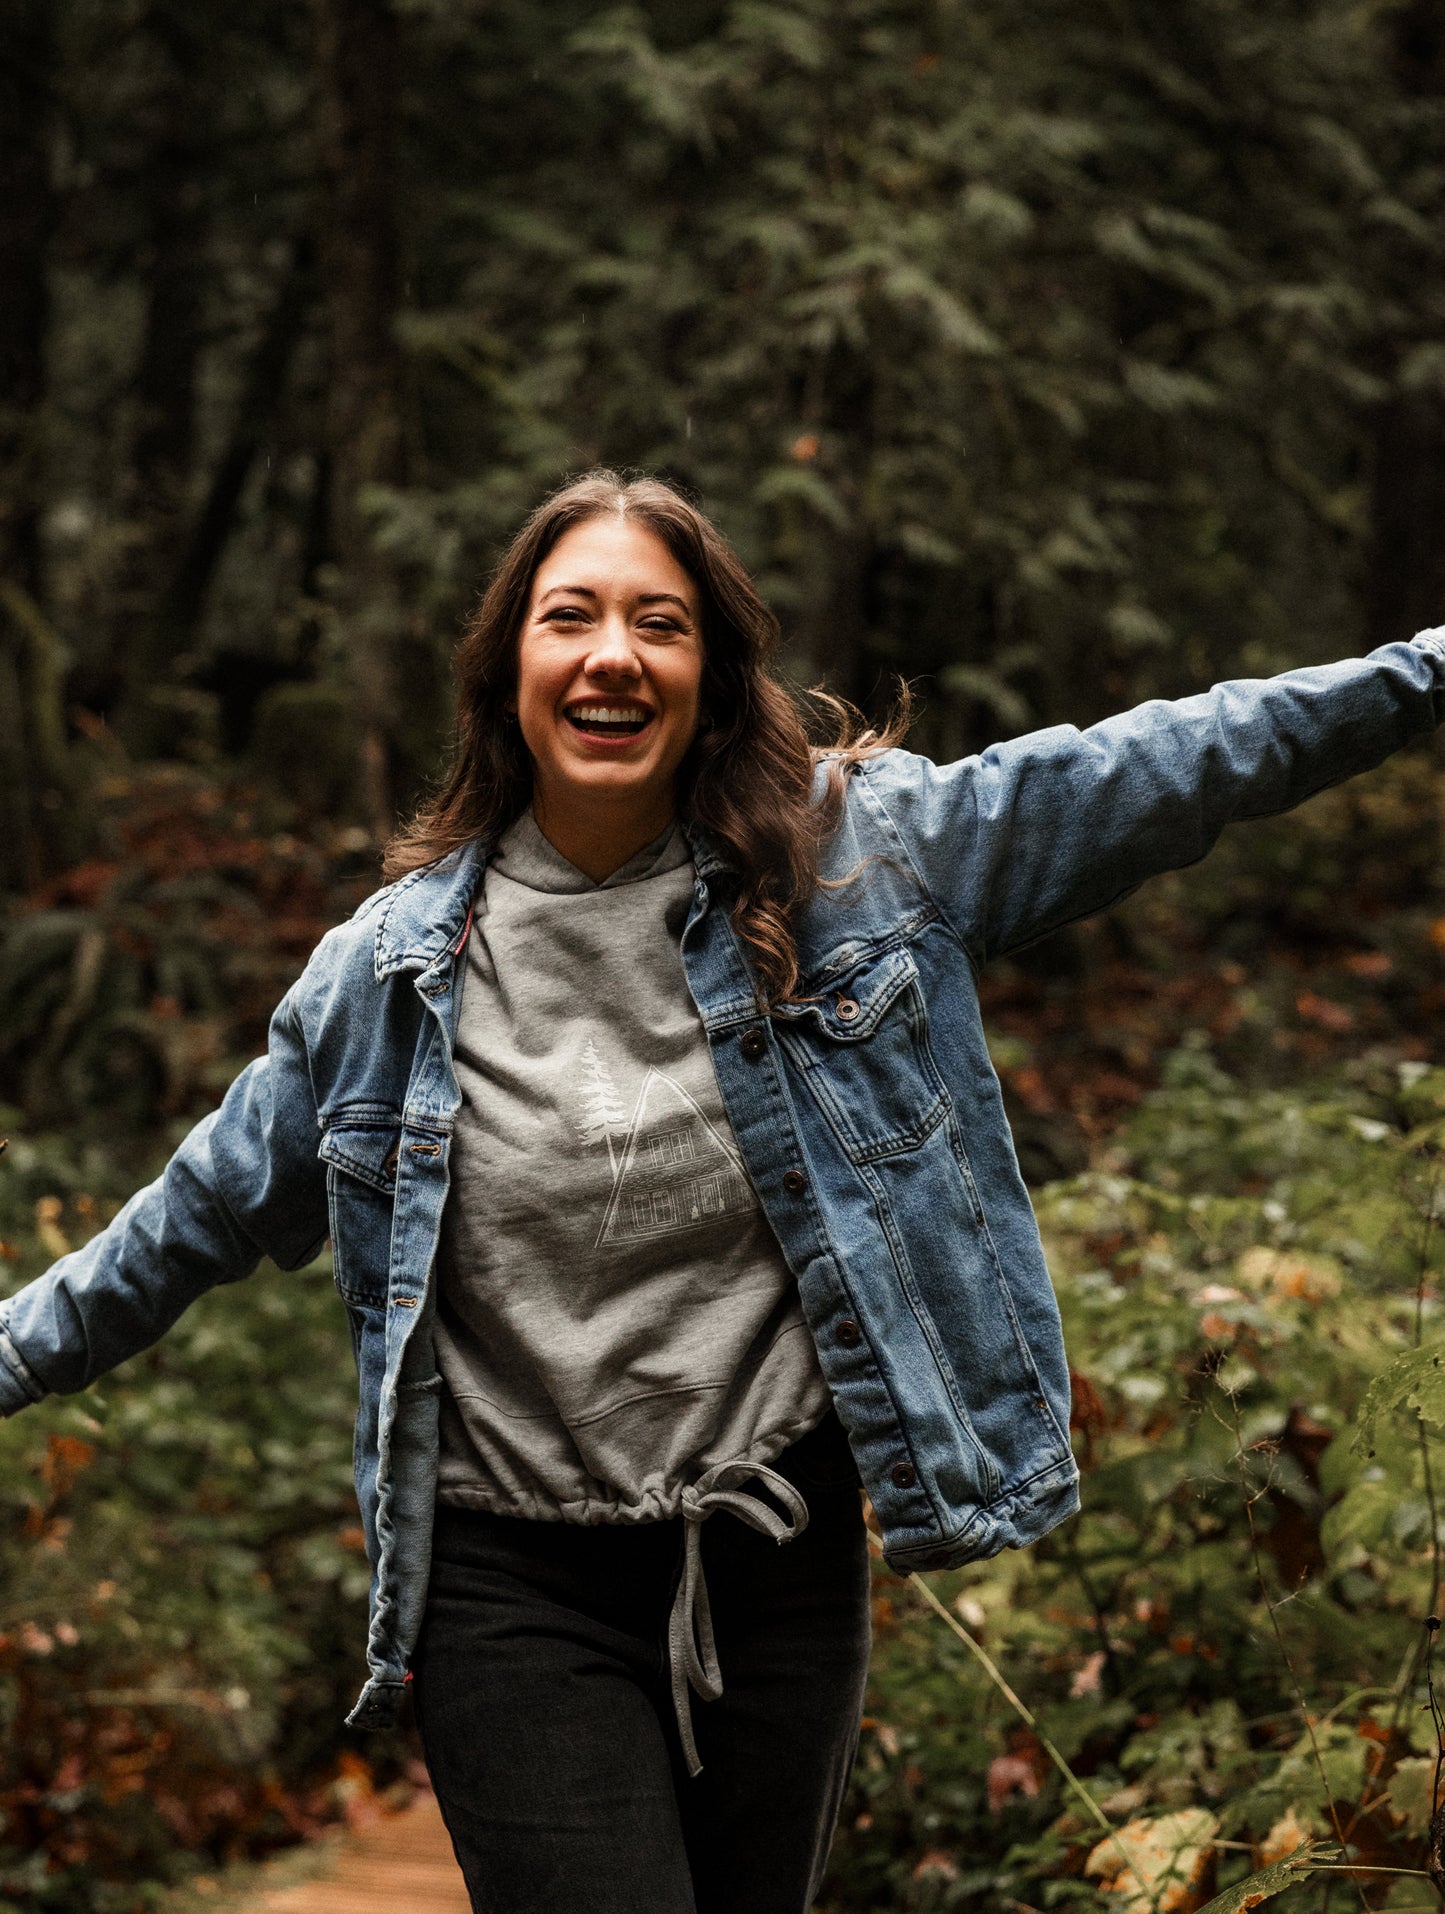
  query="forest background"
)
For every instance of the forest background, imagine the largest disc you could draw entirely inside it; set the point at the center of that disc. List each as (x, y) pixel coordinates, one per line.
(1053, 356)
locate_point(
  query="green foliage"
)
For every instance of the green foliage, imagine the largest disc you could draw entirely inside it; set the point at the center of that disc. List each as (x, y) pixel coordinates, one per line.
(1255, 1889)
(184, 1592)
(1057, 360)
(1413, 1381)
(133, 986)
(1014, 348)
(184, 1585)
(1049, 358)
(1243, 1294)
(1248, 1276)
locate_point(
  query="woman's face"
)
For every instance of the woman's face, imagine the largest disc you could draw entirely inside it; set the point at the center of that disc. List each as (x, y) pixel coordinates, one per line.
(609, 668)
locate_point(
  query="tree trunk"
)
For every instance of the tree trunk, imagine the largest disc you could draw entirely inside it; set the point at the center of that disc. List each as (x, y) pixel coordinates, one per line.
(30, 798)
(834, 623)
(1406, 589)
(155, 496)
(184, 598)
(1406, 579)
(357, 55)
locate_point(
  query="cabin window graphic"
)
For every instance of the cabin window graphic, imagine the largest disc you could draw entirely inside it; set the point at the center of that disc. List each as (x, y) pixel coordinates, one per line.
(654, 1211)
(674, 1146)
(675, 1172)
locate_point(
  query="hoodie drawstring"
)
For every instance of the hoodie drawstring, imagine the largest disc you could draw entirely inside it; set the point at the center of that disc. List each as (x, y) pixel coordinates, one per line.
(691, 1651)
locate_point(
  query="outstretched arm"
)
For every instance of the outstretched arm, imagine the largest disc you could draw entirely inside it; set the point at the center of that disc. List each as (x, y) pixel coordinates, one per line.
(1047, 828)
(246, 1183)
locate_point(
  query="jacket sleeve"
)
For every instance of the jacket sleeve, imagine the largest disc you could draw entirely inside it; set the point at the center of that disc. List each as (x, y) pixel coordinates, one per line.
(1052, 826)
(245, 1183)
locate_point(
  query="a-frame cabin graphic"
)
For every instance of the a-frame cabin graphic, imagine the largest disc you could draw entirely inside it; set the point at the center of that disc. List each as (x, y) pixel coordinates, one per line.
(676, 1172)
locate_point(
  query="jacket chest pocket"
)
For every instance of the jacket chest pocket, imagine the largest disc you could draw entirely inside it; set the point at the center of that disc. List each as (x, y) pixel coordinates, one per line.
(361, 1160)
(861, 1046)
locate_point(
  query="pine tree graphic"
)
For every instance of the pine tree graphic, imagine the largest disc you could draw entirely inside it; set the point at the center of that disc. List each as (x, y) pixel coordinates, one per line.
(601, 1107)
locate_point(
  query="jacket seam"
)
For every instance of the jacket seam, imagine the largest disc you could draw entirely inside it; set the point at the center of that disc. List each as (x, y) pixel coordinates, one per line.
(974, 963)
(475, 850)
(1004, 1502)
(1327, 782)
(928, 1329)
(778, 1096)
(288, 1013)
(234, 1220)
(398, 891)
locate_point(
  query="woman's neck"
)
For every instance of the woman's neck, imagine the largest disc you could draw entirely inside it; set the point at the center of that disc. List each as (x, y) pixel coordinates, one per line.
(599, 838)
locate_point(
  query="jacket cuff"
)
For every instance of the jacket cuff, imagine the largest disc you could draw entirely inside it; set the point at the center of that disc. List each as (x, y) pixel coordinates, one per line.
(19, 1384)
(378, 1704)
(1432, 641)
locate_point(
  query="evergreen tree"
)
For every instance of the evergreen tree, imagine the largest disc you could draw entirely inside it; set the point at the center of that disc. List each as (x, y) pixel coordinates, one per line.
(601, 1115)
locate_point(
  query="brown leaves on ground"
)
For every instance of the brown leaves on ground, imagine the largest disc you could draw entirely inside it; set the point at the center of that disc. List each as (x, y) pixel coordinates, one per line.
(1156, 1864)
(1287, 1836)
(1017, 1772)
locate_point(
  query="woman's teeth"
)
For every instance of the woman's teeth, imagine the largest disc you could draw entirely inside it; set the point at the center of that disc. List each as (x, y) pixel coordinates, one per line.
(616, 719)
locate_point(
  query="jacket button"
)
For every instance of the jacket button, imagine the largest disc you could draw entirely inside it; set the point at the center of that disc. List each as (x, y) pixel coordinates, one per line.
(848, 1333)
(794, 1182)
(847, 1008)
(904, 1475)
(755, 1044)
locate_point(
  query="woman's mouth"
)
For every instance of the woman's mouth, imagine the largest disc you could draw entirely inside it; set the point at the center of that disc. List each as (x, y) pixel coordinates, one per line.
(615, 721)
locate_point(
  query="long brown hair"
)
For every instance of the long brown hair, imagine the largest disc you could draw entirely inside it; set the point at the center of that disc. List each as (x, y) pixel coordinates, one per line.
(747, 778)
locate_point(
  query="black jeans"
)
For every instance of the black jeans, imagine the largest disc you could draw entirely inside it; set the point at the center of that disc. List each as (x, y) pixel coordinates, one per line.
(541, 1689)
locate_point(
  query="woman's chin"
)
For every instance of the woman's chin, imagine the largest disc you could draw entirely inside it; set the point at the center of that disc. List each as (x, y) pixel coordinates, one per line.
(611, 781)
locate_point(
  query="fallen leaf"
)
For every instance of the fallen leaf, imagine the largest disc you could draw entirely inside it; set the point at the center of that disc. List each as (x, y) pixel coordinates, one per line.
(1153, 1864)
(1086, 1677)
(1010, 1774)
(936, 1861)
(1324, 1011)
(1287, 1836)
(1411, 1792)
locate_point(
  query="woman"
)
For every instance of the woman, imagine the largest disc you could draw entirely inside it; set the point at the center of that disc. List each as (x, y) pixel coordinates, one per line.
(649, 1113)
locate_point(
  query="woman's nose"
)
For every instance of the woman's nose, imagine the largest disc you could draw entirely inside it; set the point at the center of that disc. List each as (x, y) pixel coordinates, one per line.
(614, 654)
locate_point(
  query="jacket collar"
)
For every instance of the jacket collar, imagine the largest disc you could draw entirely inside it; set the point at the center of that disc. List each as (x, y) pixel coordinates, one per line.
(424, 914)
(707, 859)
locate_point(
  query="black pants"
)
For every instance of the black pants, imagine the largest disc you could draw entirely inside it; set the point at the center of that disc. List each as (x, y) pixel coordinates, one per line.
(541, 1688)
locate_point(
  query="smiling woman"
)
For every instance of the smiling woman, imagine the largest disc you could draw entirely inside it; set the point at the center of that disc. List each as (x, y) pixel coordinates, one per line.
(667, 1176)
(609, 671)
(616, 674)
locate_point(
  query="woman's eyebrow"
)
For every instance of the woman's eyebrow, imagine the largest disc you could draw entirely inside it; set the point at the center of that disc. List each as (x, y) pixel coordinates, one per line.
(644, 598)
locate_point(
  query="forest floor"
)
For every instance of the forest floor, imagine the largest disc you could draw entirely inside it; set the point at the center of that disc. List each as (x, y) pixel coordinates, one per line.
(394, 1861)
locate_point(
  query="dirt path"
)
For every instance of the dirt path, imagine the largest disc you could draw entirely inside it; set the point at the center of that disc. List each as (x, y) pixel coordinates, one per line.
(400, 1865)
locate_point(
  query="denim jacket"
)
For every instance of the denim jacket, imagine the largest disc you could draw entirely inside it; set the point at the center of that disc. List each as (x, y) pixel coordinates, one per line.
(866, 1111)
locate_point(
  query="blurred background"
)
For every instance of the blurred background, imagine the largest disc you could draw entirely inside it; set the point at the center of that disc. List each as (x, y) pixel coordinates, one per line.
(1053, 357)
(1056, 356)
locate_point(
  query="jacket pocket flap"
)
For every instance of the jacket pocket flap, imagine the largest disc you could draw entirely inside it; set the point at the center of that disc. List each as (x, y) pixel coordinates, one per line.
(366, 1151)
(852, 1005)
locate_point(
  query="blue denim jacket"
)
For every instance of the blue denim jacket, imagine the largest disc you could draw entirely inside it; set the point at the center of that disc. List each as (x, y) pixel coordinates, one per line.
(867, 1113)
